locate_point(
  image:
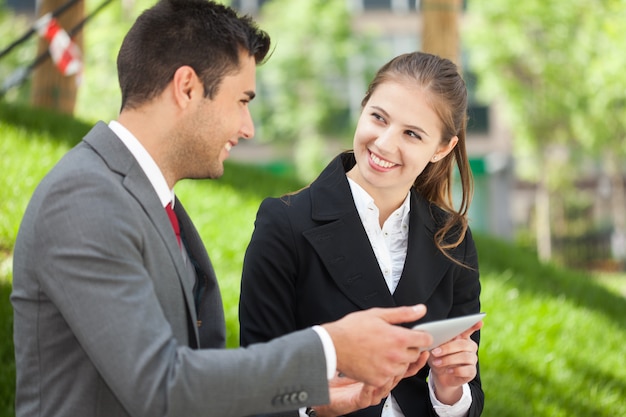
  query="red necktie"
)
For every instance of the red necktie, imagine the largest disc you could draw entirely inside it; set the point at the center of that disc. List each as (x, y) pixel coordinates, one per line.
(173, 220)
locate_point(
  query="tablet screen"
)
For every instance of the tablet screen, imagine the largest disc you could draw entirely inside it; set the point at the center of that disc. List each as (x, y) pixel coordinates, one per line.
(445, 330)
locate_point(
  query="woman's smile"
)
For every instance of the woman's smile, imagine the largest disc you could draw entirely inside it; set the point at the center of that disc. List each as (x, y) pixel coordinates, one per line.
(380, 163)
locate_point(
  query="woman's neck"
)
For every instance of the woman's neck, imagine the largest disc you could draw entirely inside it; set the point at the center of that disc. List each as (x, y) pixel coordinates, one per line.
(387, 200)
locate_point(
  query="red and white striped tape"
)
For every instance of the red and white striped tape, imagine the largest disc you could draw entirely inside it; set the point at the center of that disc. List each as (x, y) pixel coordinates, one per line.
(64, 52)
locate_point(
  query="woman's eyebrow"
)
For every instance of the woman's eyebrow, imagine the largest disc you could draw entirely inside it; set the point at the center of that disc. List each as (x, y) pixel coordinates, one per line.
(411, 127)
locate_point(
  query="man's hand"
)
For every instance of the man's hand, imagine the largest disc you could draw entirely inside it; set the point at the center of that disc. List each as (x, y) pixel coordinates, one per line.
(454, 364)
(372, 349)
(348, 395)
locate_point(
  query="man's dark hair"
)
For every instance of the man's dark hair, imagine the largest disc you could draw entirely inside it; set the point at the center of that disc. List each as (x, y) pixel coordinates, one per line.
(204, 35)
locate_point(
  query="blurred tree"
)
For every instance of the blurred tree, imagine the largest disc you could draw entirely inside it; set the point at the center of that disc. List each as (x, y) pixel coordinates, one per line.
(99, 97)
(304, 94)
(602, 129)
(440, 30)
(535, 57)
(50, 88)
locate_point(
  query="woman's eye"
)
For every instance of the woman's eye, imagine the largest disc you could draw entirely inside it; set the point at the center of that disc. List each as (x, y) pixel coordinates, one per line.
(413, 134)
(378, 117)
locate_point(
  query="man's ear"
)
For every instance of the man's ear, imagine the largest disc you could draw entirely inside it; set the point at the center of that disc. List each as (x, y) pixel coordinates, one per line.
(444, 150)
(185, 85)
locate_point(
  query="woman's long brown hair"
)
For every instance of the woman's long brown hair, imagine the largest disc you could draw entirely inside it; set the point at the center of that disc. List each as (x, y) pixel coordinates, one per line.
(445, 87)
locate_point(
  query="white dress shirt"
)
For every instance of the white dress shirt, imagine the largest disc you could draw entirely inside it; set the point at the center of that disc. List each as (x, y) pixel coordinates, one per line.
(145, 161)
(390, 245)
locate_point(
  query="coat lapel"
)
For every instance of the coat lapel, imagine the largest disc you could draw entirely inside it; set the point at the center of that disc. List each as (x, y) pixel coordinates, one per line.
(343, 246)
(342, 243)
(425, 265)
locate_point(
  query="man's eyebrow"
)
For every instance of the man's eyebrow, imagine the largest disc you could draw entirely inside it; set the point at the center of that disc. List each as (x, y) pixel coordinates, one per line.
(251, 94)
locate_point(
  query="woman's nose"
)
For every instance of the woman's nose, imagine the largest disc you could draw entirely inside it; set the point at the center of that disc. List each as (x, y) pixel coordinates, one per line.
(386, 140)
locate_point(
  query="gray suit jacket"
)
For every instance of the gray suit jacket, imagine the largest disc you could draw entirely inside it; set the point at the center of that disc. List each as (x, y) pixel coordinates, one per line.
(105, 322)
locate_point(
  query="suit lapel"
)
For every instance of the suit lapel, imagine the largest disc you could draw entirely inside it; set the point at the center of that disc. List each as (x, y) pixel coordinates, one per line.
(209, 317)
(342, 243)
(120, 160)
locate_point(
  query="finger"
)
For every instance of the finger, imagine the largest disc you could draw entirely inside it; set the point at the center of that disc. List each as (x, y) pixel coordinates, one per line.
(455, 346)
(338, 381)
(465, 371)
(378, 393)
(419, 341)
(466, 334)
(399, 315)
(455, 360)
(458, 375)
(370, 395)
(417, 365)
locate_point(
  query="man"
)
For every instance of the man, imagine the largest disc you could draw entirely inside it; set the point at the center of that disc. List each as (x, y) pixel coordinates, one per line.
(117, 309)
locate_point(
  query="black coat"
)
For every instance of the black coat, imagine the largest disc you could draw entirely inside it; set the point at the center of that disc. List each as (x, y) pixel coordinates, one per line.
(310, 262)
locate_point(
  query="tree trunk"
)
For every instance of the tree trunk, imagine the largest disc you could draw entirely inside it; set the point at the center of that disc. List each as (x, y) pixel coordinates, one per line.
(618, 205)
(50, 88)
(440, 28)
(543, 229)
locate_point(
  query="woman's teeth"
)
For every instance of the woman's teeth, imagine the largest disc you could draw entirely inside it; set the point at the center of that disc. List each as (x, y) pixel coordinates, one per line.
(380, 162)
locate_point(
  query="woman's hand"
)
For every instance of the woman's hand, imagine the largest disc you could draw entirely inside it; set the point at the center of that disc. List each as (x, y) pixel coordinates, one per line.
(454, 364)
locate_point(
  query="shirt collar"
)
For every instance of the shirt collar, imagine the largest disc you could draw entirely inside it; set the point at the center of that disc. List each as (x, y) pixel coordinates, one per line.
(145, 161)
(367, 209)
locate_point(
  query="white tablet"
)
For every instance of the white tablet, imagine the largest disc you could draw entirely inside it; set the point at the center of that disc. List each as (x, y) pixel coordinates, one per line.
(443, 331)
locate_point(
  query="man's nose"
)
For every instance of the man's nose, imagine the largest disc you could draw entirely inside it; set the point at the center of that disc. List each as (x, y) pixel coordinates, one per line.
(247, 127)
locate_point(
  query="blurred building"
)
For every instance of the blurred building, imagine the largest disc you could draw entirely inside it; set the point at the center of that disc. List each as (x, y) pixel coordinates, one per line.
(398, 25)
(22, 6)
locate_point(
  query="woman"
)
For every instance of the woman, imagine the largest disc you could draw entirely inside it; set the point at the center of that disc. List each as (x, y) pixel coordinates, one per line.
(378, 228)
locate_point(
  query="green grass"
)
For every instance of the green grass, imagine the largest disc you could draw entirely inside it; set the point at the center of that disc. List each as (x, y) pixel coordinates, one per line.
(553, 339)
(7, 370)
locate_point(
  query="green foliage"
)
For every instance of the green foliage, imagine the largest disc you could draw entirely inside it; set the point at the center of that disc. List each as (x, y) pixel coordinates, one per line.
(553, 67)
(604, 123)
(308, 54)
(99, 96)
(304, 85)
(553, 338)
